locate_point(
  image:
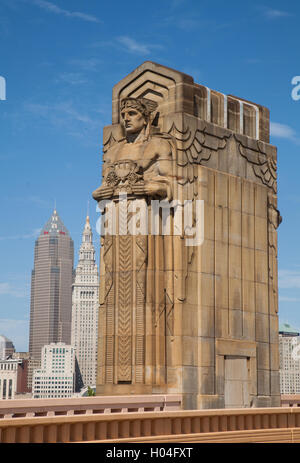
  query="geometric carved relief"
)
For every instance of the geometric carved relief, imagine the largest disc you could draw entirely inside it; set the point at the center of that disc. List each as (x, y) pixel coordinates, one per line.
(261, 157)
(124, 308)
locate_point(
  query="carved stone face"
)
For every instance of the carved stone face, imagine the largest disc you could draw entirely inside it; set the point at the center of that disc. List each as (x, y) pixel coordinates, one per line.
(133, 120)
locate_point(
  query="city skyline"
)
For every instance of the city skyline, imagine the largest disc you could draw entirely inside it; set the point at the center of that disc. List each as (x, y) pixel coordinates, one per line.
(60, 61)
(23, 341)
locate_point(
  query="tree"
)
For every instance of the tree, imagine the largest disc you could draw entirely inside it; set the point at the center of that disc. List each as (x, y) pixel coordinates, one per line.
(90, 391)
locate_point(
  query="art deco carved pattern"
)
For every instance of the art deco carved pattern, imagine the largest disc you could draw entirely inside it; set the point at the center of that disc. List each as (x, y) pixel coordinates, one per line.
(140, 284)
(195, 146)
(109, 306)
(124, 305)
(263, 164)
(274, 220)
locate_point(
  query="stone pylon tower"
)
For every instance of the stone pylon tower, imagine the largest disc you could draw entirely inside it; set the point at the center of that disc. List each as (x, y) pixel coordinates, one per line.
(85, 302)
(200, 320)
(51, 287)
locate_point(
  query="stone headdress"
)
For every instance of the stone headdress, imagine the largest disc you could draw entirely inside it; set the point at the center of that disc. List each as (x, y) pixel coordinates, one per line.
(143, 105)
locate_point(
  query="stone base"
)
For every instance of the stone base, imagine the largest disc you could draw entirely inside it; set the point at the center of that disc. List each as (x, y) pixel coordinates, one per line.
(200, 401)
(190, 401)
(124, 389)
(267, 401)
(276, 401)
(209, 401)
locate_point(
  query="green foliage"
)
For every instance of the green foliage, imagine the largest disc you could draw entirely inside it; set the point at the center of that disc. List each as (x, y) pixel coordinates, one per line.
(90, 392)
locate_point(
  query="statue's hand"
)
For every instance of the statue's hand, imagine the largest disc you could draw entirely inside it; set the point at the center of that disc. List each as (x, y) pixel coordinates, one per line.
(102, 192)
(95, 194)
(159, 188)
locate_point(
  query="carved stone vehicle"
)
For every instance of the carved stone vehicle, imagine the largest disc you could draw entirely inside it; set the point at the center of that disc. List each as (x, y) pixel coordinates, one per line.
(198, 320)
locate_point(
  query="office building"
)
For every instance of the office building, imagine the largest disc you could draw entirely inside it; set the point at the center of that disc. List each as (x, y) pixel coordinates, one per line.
(85, 308)
(289, 357)
(13, 377)
(51, 287)
(56, 377)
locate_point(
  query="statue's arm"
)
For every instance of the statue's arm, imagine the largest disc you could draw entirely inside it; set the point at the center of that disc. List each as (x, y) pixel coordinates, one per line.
(102, 191)
(159, 178)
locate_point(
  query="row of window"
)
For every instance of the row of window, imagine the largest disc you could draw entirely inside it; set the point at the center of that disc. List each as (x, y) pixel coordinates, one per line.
(8, 366)
(58, 350)
(87, 294)
(53, 378)
(52, 396)
(63, 388)
(6, 388)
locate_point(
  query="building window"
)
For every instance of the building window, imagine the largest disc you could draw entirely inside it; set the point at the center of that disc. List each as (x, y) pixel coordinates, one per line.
(10, 389)
(4, 389)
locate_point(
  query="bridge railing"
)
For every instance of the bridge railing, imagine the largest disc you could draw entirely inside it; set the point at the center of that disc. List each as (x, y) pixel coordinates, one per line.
(88, 405)
(235, 425)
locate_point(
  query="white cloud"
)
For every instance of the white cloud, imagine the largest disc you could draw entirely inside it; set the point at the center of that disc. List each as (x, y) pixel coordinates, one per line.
(33, 234)
(288, 279)
(89, 64)
(52, 8)
(284, 131)
(58, 112)
(76, 120)
(129, 45)
(132, 46)
(72, 78)
(68, 109)
(272, 13)
(7, 289)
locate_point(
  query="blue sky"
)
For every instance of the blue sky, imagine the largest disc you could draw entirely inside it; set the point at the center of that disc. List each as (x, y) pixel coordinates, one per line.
(60, 60)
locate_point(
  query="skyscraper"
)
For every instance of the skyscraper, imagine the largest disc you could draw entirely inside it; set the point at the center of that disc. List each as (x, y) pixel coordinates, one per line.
(51, 287)
(85, 308)
(289, 356)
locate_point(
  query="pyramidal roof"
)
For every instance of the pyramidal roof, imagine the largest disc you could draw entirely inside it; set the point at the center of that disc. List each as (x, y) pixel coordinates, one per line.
(287, 328)
(54, 226)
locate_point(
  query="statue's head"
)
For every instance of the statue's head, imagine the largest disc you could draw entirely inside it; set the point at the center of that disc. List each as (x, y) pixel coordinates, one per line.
(136, 114)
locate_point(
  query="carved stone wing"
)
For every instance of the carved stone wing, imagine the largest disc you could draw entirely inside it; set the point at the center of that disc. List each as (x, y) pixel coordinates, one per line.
(261, 156)
(195, 145)
(189, 145)
(111, 136)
